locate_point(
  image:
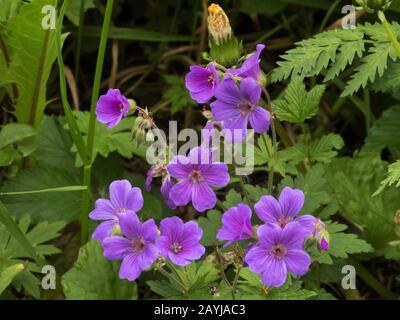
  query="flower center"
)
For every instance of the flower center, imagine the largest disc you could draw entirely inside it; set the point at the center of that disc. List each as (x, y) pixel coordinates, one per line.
(176, 247)
(120, 210)
(282, 222)
(195, 176)
(211, 79)
(278, 251)
(245, 107)
(121, 107)
(138, 244)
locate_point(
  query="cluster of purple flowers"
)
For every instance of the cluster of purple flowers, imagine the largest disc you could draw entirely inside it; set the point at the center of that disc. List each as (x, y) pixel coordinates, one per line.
(237, 95)
(195, 175)
(139, 244)
(280, 241)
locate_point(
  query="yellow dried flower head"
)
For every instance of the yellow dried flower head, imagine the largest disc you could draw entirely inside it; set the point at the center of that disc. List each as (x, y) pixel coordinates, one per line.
(218, 24)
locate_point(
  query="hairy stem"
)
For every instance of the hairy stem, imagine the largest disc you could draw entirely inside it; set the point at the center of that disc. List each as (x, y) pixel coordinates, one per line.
(389, 32)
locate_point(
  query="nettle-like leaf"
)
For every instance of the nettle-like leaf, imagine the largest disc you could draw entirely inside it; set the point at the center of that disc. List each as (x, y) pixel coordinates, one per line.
(43, 206)
(384, 132)
(198, 278)
(12, 254)
(252, 288)
(33, 54)
(17, 140)
(210, 226)
(320, 150)
(297, 104)
(177, 94)
(390, 81)
(314, 186)
(331, 52)
(94, 278)
(392, 179)
(264, 154)
(318, 53)
(118, 139)
(352, 181)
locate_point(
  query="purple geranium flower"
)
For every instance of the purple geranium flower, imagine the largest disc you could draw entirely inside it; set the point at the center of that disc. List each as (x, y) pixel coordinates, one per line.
(137, 251)
(236, 107)
(161, 170)
(180, 242)
(202, 82)
(236, 224)
(281, 212)
(251, 66)
(278, 251)
(196, 174)
(124, 200)
(112, 107)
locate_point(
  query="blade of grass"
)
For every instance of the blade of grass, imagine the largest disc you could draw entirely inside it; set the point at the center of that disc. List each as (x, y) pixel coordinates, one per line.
(16, 232)
(60, 189)
(92, 120)
(73, 126)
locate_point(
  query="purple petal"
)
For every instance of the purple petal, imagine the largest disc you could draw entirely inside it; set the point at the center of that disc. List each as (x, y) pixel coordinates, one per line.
(291, 201)
(130, 226)
(275, 272)
(251, 66)
(308, 223)
(134, 200)
(228, 92)
(103, 210)
(269, 235)
(250, 90)
(172, 228)
(163, 244)
(116, 247)
(297, 262)
(259, 120)
(293, 235)
(119, 191)
(179, 167)
(148, 256)
(149, 230)
(178, 259)
(104, 230)
(181, 193)
(130, 268)
(222, 111)
(166, 187)
(193, 252)
(203, 197)
(216, 174)
(268, 209)
(256, 258)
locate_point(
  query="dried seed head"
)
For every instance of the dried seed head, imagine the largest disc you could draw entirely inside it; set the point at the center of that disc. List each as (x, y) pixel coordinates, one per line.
(218, 24)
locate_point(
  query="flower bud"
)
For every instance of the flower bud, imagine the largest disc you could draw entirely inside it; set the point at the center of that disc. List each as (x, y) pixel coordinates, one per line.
(207, 114)
(321, 235)
(374, 5)
(224, 47)
(133, 105)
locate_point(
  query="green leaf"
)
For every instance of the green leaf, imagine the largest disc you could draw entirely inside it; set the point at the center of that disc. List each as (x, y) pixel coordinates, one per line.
(118, 139)
(253, 288)
(7, 275)
(53, 206)
(390, 81)
(94, 278)
(297, 104)
(342, 244)
(177, 93)
(352, 181)
(73, 10)
(393, 178)
(198, 278)
(232, 199)
(21, 240)
(210, 226)
(382, 134)
(320, 150)
(312, 56)
(54, 144)
(33, 54)
(314, 186)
